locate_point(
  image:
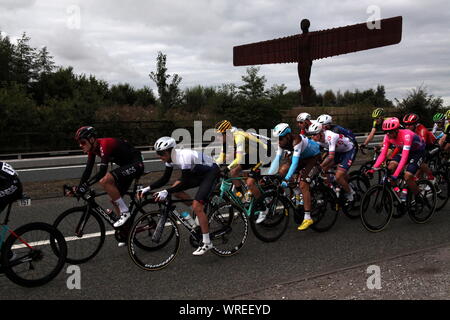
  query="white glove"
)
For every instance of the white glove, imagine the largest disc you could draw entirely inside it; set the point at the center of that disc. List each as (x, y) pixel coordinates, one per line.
(143, 191)
(161, 196)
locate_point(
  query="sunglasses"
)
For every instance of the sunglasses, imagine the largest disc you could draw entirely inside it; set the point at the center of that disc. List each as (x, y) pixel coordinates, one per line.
(83, 142)
(160, 153)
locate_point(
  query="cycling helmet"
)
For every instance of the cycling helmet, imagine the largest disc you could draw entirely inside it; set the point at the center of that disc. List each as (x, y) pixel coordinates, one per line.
(447, 114)
(165, 143)
(281, 130)
(438, 117)
(303, 116)
(85, 132)
(223, 126)
(324, 119)
(390, 124)
(314, 128)
(410, 118)
(377, 113)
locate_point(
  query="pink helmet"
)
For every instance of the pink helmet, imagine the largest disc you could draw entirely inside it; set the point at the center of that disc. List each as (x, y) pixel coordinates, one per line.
(391, 124)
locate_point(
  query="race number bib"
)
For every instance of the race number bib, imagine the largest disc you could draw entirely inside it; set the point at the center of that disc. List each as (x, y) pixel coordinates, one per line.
(8, 169)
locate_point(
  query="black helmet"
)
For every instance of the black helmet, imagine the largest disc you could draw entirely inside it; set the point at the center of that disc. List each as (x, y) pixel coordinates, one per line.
(85, 132)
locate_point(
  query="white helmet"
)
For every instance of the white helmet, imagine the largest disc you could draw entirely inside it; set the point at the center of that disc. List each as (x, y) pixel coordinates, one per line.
(325, 119)
(165, 143)
(281, 130)
(314, 128)
(303, 116)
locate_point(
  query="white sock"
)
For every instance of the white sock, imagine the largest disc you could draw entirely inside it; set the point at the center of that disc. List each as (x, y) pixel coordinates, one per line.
(121, 204)
(206, 238)
(307, 216)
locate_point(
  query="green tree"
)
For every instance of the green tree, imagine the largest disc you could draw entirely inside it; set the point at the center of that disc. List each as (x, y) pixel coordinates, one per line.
(6, 58)
(329, 98)
(23, 61)
(253, 87)
(169, 93)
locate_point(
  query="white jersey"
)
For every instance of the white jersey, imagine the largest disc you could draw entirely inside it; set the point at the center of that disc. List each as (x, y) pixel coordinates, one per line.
(298, 148)
(186, 159)
(6, 168)
(335, 142)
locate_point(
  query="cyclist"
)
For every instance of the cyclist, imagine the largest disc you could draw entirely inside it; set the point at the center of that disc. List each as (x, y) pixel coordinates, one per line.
(244, 157)
(377, 116)
(117, 181)
(411, 122)
(413, 152)
(305, 157)
(326, 121)
(439, 124)
(444, 141)
(10, 191)
(303, 121)
(341, 152)
(197, 170)
(10, 185)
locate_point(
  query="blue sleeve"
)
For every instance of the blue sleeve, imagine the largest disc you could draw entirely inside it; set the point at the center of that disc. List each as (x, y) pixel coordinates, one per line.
(275, 163)
(292, 168)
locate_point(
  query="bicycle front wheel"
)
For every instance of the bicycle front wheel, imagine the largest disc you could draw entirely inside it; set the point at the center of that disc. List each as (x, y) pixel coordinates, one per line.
(324, 208)
(360, 185)
(153, 254)
(277, 218)
(85, 234)
(423, 205)
(442, 189)
(228, 228)
(27, 257)
(377, 207)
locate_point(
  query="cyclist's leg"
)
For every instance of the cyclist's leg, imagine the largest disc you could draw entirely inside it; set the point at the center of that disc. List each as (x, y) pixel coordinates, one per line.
(414, 163)
(345, 162)
(306, 175)
(182, 195)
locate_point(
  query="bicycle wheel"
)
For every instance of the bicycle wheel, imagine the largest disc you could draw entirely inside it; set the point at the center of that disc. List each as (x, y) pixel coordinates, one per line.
(228, 228)
(152, 220)
(142, 232)
(424, 205)
(31, 261)
(360, 185)
(277, 219)
(442, 189)
(376, 209)
(324, 208)
(84, 240)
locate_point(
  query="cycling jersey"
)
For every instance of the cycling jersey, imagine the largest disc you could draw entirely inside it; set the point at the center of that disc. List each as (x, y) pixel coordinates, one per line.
(10, 185)
(407, 141)
(242, 149)
(197, 170)
(112, 150)
(426, 135)
(447, 132)
(336, 142)
(303, 149)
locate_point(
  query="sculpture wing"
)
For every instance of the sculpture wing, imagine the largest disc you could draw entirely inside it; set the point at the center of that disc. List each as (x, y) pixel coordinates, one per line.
(322, 44)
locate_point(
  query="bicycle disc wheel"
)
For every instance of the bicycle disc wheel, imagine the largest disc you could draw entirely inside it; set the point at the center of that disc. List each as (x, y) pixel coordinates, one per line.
(442, 189)
(324, 211)
(228, 228)
(425, 202)
(141, 233)
(376, 208)
(277, 218)
(31, 261)
(84, 241)
(360, 185)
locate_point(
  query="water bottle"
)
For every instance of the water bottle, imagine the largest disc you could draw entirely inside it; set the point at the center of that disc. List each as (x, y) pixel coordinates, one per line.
(404, 195)
(188, 218)
(299, 199)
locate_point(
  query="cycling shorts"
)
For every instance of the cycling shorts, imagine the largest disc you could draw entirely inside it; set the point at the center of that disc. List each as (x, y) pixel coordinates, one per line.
(415, 160)
(344, 160)
(205, 178)
(125, 175)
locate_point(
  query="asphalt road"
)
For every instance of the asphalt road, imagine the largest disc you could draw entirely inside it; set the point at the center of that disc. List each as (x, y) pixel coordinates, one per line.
(112, 274)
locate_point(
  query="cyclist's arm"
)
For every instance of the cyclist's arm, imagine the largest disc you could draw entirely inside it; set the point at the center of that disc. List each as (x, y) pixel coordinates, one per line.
(403, 161)
(221, 158)
(383, 152)
(276, 162)
(240, 151)
(370, 136)
(100, 174)
(331, 151)
(164, 179)
(88, 170)
(295, 160)
(183, 185)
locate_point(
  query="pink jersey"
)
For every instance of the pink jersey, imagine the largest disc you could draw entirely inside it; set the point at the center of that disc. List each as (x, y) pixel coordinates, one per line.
(406, 140)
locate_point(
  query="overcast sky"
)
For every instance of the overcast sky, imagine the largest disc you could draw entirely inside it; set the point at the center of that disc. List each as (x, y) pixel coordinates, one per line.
(118, 41)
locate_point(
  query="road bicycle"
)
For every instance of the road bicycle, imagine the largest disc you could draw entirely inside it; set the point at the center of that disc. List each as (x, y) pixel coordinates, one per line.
(33, 254)
(380, 202)
(84, 226)
(154, 238)
(272, 198)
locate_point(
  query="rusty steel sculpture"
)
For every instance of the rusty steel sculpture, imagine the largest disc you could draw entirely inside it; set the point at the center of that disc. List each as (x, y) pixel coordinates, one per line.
(308, 46)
